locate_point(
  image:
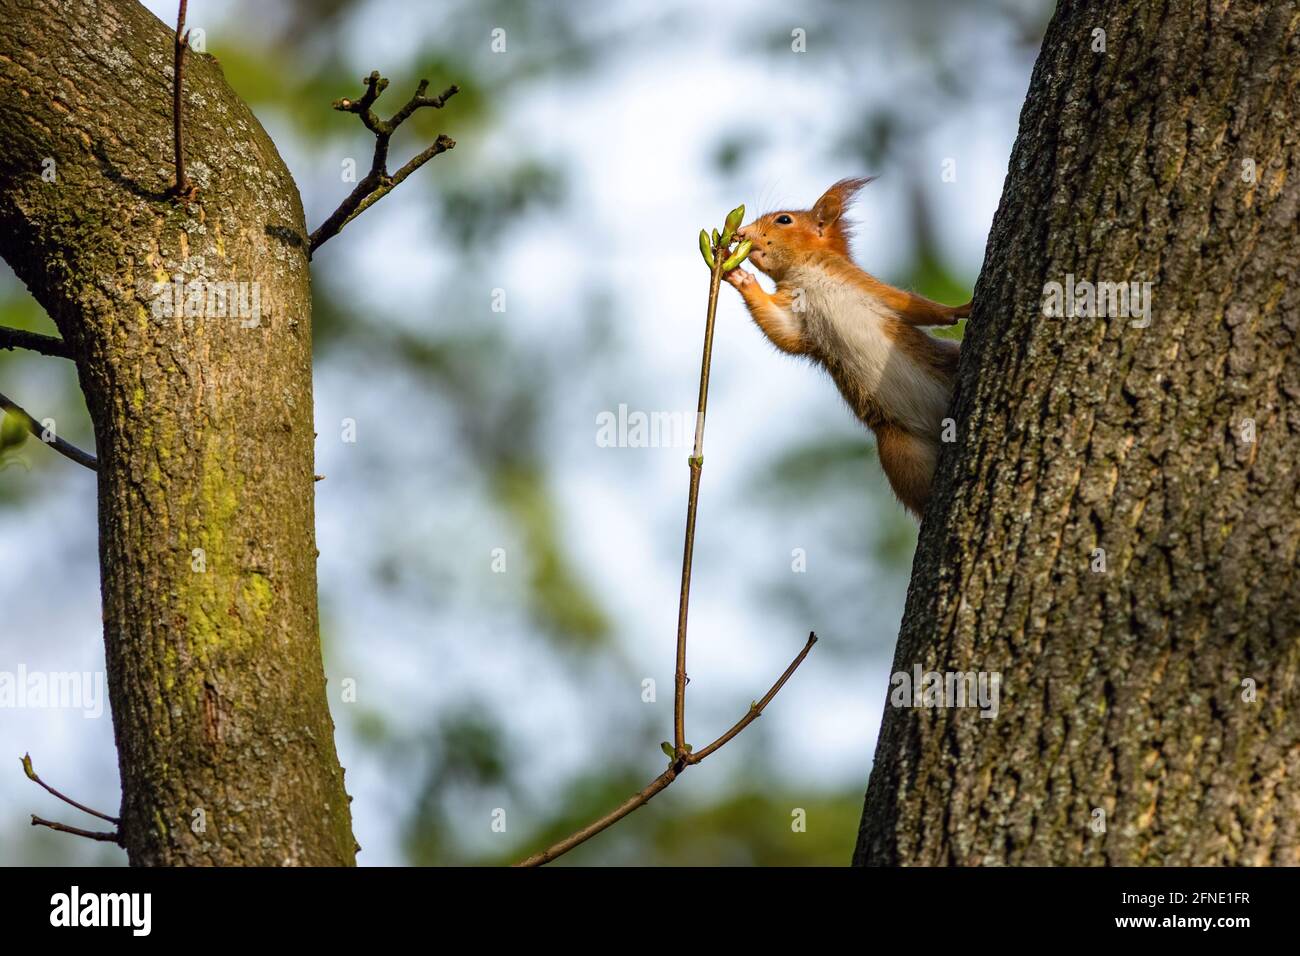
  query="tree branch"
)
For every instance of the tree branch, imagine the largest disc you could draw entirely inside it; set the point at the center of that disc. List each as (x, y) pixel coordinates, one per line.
(183, 190)
(719, 261)
(31, 775)
(586, 833)
(114, 837)
(662, 781)
(756, 709)
(50, 345)
(696, 463)
(64, 448)
(378, 183)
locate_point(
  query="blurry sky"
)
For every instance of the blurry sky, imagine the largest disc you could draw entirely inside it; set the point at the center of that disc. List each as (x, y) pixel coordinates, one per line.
(590, 152)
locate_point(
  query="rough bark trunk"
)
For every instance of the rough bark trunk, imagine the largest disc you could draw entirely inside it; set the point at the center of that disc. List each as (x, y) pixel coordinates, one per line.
(1122, 691)
(203, 425)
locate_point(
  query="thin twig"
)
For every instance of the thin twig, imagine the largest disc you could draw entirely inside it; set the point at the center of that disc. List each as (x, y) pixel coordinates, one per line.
(696, 462)
(586, 833)
(183, 190)
(662, 781)
(64, 448)
(756, 709)
(34, 342)
(440, 145)
(31, 775)
(114, 837)
(682, 756)
(377, 183)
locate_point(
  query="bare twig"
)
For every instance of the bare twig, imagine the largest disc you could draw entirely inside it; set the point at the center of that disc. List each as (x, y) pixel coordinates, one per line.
(696, 463)
(64, 448)
(35, 342)
(682, 755)
(755, 709)
(378, 183)
(662, 781)
(183, 190)
(608, 820)
(114, 837)
(31, 775)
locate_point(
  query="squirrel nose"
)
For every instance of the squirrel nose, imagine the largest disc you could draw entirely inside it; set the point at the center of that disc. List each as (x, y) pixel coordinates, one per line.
(742, 233)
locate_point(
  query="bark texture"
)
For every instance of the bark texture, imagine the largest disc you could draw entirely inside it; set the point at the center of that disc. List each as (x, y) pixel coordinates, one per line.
(1122, 691)
(203, 426)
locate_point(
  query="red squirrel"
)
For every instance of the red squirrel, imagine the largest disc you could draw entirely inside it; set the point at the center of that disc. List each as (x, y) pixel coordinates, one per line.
(897, 379)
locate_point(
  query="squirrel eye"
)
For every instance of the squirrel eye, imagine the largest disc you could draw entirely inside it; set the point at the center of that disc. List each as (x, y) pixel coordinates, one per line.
(783, 220)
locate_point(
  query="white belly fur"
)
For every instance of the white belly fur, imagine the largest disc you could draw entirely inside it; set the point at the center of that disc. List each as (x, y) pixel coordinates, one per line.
(847, 322)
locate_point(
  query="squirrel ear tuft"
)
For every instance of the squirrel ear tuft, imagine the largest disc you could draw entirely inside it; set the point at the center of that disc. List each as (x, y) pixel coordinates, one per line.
(835, 200)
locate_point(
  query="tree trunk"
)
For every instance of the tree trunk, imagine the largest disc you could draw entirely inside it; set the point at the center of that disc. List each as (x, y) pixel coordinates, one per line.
(203, 424)
(1127, 732)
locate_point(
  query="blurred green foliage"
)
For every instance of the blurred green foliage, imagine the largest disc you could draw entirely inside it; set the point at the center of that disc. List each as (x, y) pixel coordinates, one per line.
(561, 602)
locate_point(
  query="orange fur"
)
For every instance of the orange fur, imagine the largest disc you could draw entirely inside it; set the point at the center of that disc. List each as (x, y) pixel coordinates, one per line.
(895, 377)
(772, 314)
(908, 462)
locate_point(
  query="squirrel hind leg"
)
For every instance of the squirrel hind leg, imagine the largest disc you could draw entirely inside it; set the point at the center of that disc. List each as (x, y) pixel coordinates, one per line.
(909, 463)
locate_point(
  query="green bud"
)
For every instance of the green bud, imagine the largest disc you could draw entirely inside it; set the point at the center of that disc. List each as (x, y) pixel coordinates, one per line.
(705, 249)
(734, 219)
(738, 256)
(715, 237)
(667, 748)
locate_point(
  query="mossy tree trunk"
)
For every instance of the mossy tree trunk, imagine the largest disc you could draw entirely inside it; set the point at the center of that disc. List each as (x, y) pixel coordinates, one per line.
(1171, 157)
(203, 426)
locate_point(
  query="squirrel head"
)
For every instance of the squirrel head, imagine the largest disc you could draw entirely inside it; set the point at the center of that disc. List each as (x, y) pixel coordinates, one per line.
(786, 238)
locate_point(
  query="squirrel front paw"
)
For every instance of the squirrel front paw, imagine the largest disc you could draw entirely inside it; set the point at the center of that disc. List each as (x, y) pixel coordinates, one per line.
(739, 278)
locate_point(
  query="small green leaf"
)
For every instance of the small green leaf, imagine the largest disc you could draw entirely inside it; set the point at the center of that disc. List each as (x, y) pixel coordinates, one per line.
(667, 748)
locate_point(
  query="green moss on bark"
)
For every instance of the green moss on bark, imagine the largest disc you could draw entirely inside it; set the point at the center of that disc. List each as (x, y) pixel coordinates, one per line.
(203, 428)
